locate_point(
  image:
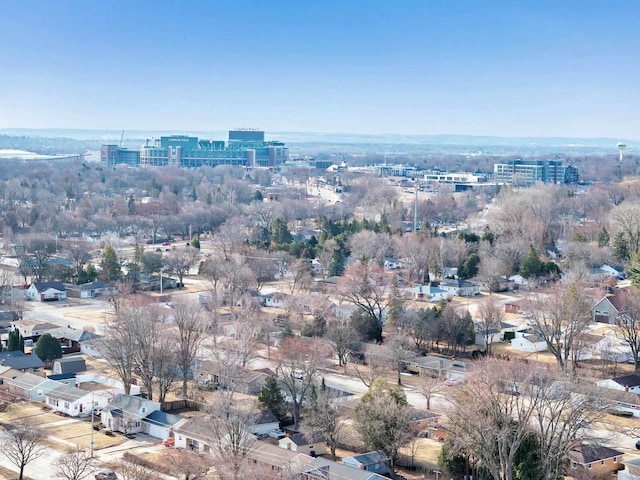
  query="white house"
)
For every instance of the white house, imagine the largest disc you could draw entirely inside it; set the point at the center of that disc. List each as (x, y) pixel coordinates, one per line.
(47, 291)
(125, 413)
(161, 424)
(74, 401)
(276, 300)
(264, 423)
(614, 271)
(301, 443)
(626, 383)
(427, 293)
(392, 263)
(90, 290)
(524, 342)
(461, 288)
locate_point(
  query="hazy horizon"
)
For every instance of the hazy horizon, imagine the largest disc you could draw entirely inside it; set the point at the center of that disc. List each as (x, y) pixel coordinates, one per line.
(498, 69)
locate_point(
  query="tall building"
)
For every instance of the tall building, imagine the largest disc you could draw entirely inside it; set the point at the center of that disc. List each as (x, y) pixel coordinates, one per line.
(244, 148)
(525, 173)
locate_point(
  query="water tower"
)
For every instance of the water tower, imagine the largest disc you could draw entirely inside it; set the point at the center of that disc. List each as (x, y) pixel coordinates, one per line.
(621, 148)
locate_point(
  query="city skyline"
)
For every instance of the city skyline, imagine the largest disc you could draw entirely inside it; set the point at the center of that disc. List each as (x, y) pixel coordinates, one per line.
(432, 68)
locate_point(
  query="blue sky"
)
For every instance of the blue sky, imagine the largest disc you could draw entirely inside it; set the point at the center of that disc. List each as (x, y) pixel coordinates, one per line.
(512, 68)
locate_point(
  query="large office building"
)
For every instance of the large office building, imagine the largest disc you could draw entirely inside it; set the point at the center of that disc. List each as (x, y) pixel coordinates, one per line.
(244, 148)
(525, 173)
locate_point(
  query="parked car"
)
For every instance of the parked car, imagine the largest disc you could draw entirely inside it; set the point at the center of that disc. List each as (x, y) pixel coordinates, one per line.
(106, 475)
(169, 442)
(277, 433)
(638, 445)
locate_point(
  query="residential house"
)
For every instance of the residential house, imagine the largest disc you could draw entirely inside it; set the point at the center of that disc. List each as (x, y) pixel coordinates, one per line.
(31, 387)
(375, 462)
(627, 383)
(47, 291)
(160, 424)
(513, 306)
(599, 461)
(8, 373)
(631, 469)
(321, 468)
(607, 309)
(125, 413)
(69, 365)
(426, 293)
(391, 263)
(437, 367)
(494, 334)
(264, 422)
(301, 443)
(33, 329)
(460, 288)
(276, 299)
(19, 361)
(616, 271)
(528, 342)
(90, 290)
(194, 434)
(278, 463)
(71, 339)
(6, 319)
(74, 401)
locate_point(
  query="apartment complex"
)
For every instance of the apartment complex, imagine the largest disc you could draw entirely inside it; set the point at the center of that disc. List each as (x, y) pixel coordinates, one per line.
(244, 148)
(525, 173)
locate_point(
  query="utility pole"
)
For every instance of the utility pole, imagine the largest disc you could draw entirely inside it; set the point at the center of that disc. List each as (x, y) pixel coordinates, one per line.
(93, 405)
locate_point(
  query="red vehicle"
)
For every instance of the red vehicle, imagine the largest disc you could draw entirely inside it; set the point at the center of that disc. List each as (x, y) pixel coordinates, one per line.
(166, 244)
(169, 442)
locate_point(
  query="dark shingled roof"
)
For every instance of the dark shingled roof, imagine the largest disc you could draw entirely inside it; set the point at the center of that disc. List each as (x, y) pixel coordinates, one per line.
(632, 380)
(586, 454)
(18, 360)
(44, 286)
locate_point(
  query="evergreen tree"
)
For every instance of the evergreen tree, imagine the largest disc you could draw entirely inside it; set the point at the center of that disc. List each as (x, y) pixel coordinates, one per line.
(336, 265)
(470, 266)
(633, 270)
(195, 242)
(48, 348)
(620, 248)
(396, 304)
(272, 399)
(531, 266)
(15, 342)
(603, 238)
(110, 266)
(280, 234)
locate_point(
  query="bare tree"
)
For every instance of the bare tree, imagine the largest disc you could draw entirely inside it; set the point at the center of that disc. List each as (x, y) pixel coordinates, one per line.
(491, 316)
(322, 418)
(490, 418)
(180, 260)
(400, 352)
(344, 339)
(133, 471)
(76, 464)
(383, 420)
(299, 361)
(626, 219)
(190, 323)
(230, 427)
(363, 285)
(185, 465)
(119, 344)
(79, 253)
(560, 315)
(429, 385)
(22, 442)
(629, 322)
(376, 363)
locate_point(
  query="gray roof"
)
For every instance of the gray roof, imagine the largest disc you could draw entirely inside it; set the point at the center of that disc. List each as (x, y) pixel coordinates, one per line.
(339, 470)
(44, 286)
(74, 334)
(162, 418)
(71, 365)
(18, 360)
(129, 404)
(67, 393)
(27, 380)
